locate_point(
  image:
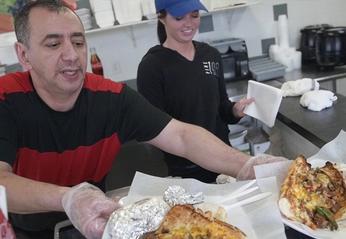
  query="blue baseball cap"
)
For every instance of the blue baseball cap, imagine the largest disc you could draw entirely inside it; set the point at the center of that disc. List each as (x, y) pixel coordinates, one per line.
(179, 8)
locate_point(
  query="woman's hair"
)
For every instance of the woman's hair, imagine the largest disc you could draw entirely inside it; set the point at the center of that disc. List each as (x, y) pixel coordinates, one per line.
(161, 30)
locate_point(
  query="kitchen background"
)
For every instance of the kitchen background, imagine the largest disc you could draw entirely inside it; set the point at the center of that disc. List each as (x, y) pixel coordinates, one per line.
(121, 48)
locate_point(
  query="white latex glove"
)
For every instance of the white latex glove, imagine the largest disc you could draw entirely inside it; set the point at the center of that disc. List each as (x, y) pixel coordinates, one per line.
(248, 172)
(88, 209)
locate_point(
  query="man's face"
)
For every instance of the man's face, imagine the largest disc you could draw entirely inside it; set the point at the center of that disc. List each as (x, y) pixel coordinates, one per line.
(57, 52)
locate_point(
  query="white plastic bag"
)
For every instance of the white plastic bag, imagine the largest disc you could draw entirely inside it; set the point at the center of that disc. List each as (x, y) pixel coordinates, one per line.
(318, 100)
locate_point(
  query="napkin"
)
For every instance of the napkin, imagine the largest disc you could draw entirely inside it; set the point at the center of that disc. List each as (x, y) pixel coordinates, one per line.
(318, 100)
(249, 218)
(267, 102)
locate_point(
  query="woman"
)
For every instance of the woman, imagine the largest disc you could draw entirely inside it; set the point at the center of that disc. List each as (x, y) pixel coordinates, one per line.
(185, 79)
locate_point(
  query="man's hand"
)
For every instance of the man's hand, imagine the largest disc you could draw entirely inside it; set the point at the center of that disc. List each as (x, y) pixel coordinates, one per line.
(248, 172)
(88, 208)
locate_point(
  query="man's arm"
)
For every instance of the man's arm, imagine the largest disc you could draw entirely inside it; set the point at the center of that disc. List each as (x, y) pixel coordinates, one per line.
(200, 146)
(87, 206)
(29, 196)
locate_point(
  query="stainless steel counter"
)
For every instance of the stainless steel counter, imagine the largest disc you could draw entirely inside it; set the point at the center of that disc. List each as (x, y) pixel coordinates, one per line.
(317, 127)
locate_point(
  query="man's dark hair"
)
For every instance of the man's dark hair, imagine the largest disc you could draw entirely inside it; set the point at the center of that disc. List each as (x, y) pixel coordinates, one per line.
(21, 20)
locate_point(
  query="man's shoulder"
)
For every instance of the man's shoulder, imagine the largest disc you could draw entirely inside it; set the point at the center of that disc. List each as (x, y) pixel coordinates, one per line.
(15, 82)
(95, 82)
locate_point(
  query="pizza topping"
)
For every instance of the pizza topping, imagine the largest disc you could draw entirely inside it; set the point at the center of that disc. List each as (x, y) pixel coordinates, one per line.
(328, 215)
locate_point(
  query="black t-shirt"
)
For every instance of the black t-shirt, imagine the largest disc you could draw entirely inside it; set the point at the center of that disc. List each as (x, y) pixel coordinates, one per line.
(67, 148)
(190, 91)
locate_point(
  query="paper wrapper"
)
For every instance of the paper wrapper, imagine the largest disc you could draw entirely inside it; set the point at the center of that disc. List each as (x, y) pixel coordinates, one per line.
(267, 102)
(334, 151)
(249, 218)
(6, 230)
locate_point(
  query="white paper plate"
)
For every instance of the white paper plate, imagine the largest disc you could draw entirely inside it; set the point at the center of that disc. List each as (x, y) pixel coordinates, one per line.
(319, 233)
(248, 218)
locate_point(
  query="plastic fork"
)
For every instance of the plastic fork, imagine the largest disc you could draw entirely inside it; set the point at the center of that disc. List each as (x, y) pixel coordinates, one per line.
(249, 200)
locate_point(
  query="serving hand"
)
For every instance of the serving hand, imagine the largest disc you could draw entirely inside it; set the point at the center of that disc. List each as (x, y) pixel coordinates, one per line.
(88, 209)
(248, 172)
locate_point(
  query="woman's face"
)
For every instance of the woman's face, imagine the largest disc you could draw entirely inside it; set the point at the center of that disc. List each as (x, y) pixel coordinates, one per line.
(181, 29)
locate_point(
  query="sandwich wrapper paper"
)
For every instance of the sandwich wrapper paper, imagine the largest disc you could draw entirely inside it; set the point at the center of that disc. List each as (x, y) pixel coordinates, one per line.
(248, 218)
(267, 102)
(333, 151)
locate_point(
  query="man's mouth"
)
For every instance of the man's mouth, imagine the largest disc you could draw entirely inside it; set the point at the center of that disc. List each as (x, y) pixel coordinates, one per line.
(70, 72)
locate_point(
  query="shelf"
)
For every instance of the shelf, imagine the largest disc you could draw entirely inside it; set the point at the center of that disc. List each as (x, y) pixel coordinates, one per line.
(231, 7)
(152, 21)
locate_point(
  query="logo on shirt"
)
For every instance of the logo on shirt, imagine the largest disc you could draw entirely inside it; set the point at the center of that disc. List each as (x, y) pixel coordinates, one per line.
(211, 68)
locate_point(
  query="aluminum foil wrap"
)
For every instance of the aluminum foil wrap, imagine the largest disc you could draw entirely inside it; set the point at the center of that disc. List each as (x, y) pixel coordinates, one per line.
(177, 195)
(133, 221)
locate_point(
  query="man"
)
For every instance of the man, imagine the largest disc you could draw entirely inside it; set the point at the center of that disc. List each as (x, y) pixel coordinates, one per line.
(61, 127)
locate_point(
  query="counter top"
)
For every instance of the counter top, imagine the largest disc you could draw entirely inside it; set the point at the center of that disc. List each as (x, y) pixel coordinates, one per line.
(317, 127)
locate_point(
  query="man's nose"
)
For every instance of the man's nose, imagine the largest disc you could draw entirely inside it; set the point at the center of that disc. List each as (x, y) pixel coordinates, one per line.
(69, 52)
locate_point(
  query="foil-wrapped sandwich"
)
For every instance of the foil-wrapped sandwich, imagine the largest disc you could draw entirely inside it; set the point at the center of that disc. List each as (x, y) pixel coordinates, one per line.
(170, 216)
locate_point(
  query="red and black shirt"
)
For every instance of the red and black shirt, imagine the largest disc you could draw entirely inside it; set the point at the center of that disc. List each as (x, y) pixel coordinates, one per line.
(67, 148)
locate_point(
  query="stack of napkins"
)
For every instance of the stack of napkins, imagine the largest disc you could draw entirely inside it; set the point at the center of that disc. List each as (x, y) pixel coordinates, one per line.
(266, 104)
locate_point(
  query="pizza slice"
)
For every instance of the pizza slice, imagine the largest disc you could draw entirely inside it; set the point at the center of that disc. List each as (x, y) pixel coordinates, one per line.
(184, 221)
(314, 197)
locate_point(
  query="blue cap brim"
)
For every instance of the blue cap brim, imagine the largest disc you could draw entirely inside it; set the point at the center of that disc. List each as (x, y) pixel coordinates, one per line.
(184, 8)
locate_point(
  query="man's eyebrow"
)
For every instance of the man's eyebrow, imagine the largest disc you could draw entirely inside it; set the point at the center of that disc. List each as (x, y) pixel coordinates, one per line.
(56, 36)
(78, 34)
(52, 36)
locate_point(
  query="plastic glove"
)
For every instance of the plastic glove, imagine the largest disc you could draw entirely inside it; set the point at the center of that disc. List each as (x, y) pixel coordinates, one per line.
(248, 172)
(88, 209)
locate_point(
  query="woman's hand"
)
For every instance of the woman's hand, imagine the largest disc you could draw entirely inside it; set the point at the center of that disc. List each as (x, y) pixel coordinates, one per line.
(238, 108)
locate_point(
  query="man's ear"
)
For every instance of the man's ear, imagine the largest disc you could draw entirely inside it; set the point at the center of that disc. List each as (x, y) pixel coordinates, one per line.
(22, 56)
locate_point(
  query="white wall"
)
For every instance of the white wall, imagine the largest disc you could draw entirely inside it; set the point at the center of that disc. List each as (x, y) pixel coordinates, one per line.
(121, 49)
(121, 53)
